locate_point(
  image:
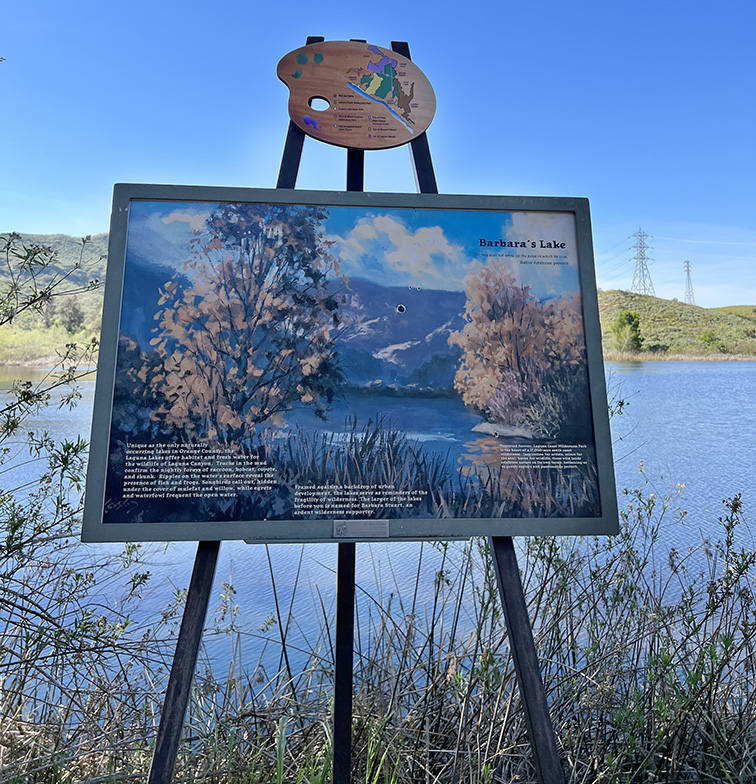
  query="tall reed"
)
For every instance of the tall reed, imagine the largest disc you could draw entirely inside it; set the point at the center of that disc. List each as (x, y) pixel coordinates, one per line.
(647, 659)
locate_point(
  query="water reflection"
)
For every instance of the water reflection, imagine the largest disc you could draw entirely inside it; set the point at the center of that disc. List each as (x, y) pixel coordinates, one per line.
(690, 423)
(11, 373)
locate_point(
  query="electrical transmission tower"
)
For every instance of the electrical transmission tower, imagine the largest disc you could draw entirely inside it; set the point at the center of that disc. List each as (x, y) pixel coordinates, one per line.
(689, 298)
(642, 279)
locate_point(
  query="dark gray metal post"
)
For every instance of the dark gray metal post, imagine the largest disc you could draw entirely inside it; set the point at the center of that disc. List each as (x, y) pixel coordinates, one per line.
(425, 176)
(521, 643)
(344, 665)
(295, 136)
(292, 154)
(184, 663)
(356, 170)
(356, 158)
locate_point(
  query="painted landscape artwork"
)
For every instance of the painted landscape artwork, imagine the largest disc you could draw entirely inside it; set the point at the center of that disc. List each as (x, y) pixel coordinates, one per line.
(369, 366)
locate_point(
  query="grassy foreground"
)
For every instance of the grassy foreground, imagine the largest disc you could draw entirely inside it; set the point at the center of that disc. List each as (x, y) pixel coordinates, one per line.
(648, 660)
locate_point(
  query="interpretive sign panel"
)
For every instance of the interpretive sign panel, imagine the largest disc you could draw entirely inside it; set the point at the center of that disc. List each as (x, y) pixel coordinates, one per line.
(284, 365)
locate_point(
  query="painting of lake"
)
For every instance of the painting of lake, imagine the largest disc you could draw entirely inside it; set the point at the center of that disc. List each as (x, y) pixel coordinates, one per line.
(317, 372)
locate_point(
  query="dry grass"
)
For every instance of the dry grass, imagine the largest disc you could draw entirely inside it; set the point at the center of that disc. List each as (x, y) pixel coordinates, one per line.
(651, 356)
(647, 658)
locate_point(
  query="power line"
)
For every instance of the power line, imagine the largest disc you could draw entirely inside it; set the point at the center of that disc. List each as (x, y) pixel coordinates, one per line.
(642, 278)
(603, 252)
(689, 298)
(707, 242)
(617, 260)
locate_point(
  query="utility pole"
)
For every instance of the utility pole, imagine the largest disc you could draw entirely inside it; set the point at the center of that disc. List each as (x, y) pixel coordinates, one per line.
(689, 298)
(641, 279)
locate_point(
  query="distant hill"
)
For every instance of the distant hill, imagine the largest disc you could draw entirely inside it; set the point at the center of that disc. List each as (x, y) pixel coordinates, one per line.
(37, 335)
(673, 327)
(667, 326)
(747, 311)
(69, 250)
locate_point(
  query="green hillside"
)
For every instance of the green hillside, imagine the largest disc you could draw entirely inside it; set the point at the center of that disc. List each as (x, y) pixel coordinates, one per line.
(37, 334)
(667, 327)
(671, 327)
(748, 311)
(69, 251)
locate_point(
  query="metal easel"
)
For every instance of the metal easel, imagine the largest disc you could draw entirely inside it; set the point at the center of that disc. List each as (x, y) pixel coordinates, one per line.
(538, 721)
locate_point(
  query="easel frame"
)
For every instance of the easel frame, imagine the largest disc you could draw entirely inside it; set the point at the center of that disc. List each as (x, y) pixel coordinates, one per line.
(519, 630)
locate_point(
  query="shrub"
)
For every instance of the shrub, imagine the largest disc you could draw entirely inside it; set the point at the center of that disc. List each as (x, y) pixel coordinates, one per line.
(626, 332)
(708, 338)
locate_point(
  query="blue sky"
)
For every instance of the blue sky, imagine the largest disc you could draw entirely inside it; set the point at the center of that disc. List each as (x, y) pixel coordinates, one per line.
(647, 109)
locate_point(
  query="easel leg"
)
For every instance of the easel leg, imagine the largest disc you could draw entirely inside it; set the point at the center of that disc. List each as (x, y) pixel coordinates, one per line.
(422, 163)
(533, 695)
(356, 170)
(292, 155)
(425, 177)
(344, 663)
(184, 664)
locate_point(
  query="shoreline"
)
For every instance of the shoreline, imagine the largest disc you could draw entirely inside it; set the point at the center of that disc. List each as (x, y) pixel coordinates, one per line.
(48, 362)
(626, 356)
(33, 364)
(41, 365)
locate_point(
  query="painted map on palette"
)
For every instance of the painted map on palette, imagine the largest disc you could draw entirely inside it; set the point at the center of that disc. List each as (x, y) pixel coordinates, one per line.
(357, 95)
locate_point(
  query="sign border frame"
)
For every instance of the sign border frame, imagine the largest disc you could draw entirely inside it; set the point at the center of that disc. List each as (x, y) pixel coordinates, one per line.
(322, 530)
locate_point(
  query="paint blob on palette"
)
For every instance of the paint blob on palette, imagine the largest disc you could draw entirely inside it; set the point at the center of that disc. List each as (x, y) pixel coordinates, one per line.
(357, 95)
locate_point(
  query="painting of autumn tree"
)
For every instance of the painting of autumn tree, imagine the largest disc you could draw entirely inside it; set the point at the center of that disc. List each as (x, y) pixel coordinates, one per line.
(249, 329)
(523, 360)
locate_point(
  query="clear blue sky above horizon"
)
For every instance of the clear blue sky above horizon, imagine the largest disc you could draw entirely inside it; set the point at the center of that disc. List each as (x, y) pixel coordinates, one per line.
(646, 109)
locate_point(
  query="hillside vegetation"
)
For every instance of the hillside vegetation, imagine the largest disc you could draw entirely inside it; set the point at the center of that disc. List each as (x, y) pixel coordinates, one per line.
(739, 310)
(69, 252)
(64, 274)
(668, 327)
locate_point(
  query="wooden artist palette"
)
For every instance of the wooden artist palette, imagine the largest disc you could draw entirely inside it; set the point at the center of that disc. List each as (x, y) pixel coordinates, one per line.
(357, 95)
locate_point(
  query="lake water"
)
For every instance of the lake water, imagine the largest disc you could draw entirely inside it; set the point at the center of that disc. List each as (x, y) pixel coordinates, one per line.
(690, 423)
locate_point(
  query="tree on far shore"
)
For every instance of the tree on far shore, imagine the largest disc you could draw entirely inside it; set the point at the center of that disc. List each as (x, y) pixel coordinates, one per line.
(626, 332)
